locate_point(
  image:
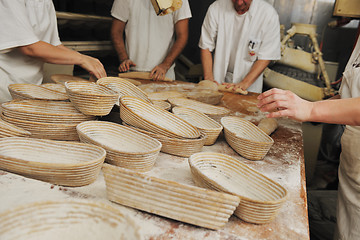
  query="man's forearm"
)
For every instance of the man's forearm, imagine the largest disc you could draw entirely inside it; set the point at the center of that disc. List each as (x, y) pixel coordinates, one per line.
(181, 29)
(255, 71)
(117, 31)
(51, 54)
(207, 64)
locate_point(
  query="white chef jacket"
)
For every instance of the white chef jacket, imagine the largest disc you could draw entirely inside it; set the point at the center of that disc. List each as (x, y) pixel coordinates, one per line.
(24, 22)
(148, 37)
(259, 39)
(348, 210)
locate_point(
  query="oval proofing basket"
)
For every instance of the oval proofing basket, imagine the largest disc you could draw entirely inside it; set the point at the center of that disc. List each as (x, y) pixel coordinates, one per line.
(205, 124)
(124, 146)
(246, 138)
(90, 98)
(58, 162)
(177, 146)
(260, 197)
(138, 113)
(71, 220)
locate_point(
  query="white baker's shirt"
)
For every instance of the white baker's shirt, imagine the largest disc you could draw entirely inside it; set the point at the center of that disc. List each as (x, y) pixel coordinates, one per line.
(258, 38)
(148, 37)
(24, 22)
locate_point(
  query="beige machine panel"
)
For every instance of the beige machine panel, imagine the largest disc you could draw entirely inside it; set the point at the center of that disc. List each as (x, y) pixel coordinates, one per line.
(347, 8)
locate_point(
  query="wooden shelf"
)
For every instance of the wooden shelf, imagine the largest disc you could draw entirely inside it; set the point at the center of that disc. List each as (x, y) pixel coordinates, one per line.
(83, 46)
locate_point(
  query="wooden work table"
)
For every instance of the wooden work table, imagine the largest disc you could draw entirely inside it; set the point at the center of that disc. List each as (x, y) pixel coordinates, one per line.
(284, 164)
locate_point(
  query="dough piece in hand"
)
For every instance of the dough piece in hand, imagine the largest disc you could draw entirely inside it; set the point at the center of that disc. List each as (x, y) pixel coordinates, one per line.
(208, 84)
(268, 125)
(231, 89)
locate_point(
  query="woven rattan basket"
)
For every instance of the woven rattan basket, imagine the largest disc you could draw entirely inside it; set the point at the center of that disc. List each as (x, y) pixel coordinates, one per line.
(215, 112)
(55, 87)
(44, 111)
(162, 104)
(205, 124)
(138, 113)
(32, 91)
(123, 87)
(90, 98)
(176, 146)
(260, 197)
(54, 131)
(170, 199)
(11, 130)
(246, 138)
(71, 220)
(124, 146)
(58, 162)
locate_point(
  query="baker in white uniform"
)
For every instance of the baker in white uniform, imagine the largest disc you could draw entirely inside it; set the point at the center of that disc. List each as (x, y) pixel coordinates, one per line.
(28, 38)
(152, 42)
(340, 111)
(245, 35)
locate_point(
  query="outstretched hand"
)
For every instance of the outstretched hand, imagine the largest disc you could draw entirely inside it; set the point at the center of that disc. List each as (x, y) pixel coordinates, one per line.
(125, 65)
(283, 103)
(93, 66)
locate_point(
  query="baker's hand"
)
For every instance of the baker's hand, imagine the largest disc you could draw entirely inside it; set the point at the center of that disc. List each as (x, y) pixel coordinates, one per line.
(234, 86)
(283, 103)
(158, 72)
(93, 66)
(125, 65)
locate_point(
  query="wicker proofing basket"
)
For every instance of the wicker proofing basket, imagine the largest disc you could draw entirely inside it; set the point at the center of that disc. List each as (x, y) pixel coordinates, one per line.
(162, 104)
(90, 98)
(124, 146)
(190, 204)
(58, 162)
(44, 111)
(32, 91)
(123, 87)
(54, 131)
(55, 87)
(260, 197)
(205, 124)
(246, 138)
(11, 130)
(215, 112)
(71, 220)
(176, 146)
(138, 113)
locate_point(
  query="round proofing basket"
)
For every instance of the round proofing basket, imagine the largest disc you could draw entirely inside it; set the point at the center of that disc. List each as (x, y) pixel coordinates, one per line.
(246, 138)
(138, 113)
(123, 87)
(90, 98)
(176, 146)
(58, 162)
(261, 197)
(71, 220)
(32, 91)
(205, 124)
(124, 146)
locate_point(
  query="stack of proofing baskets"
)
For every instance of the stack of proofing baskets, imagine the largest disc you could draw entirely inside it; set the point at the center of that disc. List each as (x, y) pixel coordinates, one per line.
(55, 120)
(177, 136)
